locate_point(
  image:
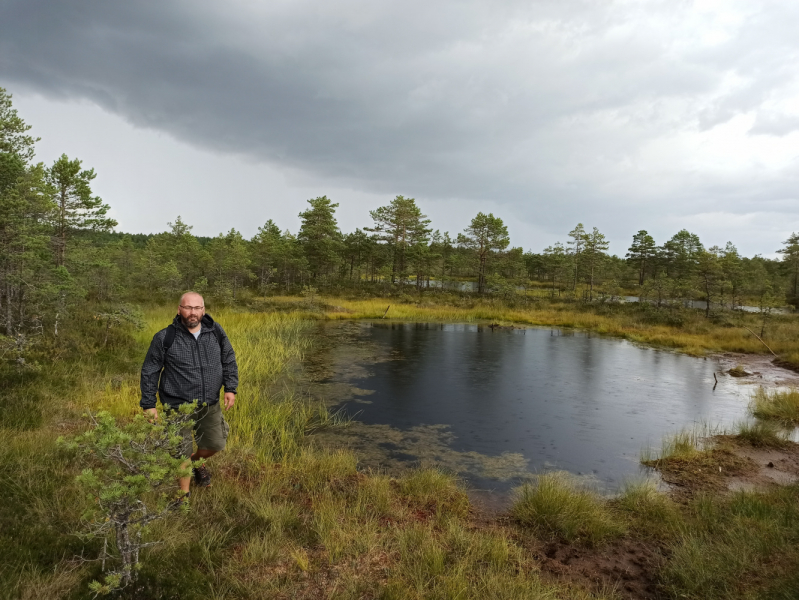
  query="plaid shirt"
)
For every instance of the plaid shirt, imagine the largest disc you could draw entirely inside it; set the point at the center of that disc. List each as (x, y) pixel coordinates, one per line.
(192, 369)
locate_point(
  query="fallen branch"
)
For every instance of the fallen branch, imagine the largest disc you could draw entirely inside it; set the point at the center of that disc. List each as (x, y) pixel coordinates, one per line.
(761, 341)
(385, 313)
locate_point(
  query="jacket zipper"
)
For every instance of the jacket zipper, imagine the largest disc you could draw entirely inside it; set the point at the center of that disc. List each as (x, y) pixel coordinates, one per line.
(202, 373)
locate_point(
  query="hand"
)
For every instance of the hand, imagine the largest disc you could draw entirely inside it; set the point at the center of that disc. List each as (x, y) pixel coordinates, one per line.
(152, 414)
(230, 400)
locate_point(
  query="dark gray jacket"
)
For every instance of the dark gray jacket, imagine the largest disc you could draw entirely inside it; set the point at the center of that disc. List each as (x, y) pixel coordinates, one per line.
(191, 369)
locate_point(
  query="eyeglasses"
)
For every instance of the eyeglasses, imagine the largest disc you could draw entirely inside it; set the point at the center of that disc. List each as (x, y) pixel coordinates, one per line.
(190, 308)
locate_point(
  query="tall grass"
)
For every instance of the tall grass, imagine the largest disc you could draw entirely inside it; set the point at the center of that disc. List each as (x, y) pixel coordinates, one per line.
(273, 422)
(777, 405)
(737, 547)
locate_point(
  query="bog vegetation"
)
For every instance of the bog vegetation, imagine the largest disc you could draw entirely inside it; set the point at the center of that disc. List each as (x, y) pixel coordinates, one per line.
(79, 304)
(286, 520)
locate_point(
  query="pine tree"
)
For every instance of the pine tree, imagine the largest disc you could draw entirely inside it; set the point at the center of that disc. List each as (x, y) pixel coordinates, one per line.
(577, 236)
(14, 140)
(641, 253)
(355, 248)
(732, 266)
(77, 208)
(555, 262)
(484, 235)
(26, 277)
(679, 257)
(267, 248)
(790, 260)
(231, 257)
(320, 237)
(593, 255)
(187, 253)
(400, 225)
(25, 266)
(710, 275)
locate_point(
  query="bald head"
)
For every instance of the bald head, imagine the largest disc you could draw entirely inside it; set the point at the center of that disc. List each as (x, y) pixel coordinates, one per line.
(192, 299)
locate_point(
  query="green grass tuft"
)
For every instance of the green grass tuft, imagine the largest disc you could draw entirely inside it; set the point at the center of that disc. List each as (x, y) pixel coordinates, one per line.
(777, 405)
(434, 490)
(556, 506)
(762, 434)
(649, 511)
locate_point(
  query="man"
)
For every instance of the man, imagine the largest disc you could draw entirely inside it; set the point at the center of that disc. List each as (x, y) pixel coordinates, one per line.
(192, 361)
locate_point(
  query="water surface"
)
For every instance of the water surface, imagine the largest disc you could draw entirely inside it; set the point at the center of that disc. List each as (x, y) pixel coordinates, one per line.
(497, 405)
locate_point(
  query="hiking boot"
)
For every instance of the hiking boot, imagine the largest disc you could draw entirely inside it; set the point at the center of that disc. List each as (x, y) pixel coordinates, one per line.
(202, 478)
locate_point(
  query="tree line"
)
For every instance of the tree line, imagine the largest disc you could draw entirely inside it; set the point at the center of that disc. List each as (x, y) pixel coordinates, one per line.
(59, 254)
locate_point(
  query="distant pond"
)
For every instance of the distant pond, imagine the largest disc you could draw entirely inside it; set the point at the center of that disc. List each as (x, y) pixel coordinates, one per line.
(497, 406)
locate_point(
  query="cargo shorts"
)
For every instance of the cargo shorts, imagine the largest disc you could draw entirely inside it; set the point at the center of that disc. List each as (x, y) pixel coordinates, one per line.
(210, 430)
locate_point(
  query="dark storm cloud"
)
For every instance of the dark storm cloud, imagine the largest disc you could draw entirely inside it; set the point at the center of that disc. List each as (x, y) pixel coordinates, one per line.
(548, 106)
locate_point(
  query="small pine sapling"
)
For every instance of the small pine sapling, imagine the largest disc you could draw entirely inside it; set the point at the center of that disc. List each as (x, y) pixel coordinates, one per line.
(131, 480)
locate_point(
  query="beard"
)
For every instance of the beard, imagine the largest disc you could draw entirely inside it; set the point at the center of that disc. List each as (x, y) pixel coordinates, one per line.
(192, 320)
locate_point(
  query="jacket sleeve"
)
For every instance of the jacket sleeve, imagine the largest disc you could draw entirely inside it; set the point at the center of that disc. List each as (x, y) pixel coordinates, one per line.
(230, 370)
(151, 371)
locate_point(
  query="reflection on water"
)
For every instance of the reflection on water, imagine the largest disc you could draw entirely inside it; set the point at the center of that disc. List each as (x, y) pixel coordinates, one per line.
(495, 405)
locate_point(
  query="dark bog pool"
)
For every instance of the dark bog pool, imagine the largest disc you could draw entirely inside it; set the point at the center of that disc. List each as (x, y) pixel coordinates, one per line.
(496, 405)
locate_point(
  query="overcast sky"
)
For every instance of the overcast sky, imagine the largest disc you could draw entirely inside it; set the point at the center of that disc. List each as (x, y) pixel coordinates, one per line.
(621, 115)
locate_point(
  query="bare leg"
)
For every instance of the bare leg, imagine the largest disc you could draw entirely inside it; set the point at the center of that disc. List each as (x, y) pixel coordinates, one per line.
(185, 481)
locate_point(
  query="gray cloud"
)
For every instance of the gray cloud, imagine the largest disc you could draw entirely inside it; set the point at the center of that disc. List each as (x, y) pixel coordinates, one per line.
(777, 124)
(551, 108)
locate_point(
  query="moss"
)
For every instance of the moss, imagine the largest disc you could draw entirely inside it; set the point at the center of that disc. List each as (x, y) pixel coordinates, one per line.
(706, 470)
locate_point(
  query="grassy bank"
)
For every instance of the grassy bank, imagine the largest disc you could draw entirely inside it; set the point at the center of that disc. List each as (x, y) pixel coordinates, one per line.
(285, 520)
(717, 543)
(685, 330)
